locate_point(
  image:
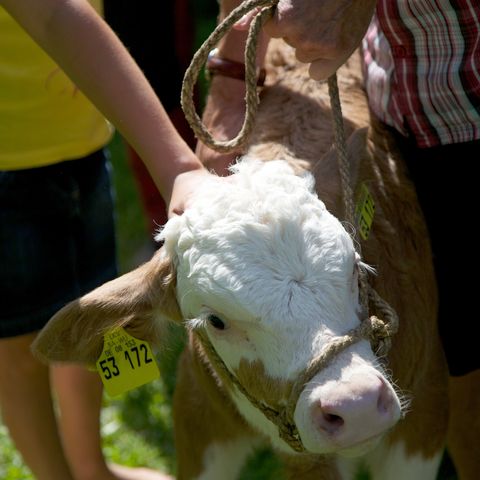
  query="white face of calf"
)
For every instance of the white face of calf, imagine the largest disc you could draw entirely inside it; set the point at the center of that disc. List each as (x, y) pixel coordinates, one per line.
(272, 277)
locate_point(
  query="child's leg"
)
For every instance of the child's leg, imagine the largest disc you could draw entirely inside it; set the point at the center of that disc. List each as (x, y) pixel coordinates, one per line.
(79, 396)
(26, 407)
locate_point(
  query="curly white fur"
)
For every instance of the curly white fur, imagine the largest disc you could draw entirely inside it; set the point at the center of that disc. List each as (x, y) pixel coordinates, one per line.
(262, 253)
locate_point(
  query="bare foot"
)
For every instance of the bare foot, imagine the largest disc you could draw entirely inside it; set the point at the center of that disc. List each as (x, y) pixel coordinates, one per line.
(137, 473)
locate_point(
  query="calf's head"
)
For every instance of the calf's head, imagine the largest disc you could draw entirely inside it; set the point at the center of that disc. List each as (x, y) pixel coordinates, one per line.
(269, 277)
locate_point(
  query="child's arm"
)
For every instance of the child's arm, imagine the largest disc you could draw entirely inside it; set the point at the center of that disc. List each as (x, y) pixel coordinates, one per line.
(83, 45)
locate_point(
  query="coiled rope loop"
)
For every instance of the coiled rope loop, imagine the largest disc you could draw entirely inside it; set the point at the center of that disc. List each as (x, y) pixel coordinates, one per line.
(251, 96)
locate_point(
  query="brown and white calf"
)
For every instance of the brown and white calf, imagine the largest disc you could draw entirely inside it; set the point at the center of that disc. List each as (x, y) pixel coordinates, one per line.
(263, 269)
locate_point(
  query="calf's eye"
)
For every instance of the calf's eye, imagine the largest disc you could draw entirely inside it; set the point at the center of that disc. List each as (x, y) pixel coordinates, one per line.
(216, 322)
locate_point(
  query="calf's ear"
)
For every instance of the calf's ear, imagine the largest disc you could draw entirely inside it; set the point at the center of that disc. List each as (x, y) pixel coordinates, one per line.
(141, 301)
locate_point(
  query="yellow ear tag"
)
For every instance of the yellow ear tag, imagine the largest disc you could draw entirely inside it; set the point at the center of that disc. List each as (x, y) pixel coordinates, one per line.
(364, 212)
(125, 362)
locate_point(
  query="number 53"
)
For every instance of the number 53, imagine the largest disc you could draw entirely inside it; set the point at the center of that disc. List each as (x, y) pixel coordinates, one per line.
(107, 373)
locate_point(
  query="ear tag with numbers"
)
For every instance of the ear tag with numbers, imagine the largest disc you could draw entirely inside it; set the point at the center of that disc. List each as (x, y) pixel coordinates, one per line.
(364, 212)
(125, 363)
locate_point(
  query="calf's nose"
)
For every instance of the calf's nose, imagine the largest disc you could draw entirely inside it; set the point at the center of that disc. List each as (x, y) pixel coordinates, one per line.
(355, 411)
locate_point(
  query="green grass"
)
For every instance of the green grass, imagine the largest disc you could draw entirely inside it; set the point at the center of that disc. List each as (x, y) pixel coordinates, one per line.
(11, 464)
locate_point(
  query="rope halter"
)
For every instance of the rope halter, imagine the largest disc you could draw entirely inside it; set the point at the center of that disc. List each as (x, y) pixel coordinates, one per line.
(371, 328)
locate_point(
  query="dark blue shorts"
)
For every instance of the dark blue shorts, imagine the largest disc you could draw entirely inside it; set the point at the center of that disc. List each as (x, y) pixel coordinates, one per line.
(57, 239)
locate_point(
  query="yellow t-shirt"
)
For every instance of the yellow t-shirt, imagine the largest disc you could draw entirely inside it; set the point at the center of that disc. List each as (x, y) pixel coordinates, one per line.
(44, 118)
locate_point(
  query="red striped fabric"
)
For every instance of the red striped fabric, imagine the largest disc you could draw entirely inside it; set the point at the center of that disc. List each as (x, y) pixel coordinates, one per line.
(422, 68)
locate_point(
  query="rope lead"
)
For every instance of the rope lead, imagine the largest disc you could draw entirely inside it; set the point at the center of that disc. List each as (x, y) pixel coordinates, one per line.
(378, 332)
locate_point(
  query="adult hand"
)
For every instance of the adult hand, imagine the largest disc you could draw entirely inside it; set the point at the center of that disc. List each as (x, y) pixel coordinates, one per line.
(324, 33)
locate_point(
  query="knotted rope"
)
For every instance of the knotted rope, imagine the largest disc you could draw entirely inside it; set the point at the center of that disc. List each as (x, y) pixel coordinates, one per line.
(378, 332)
(367, 293)
(283, 418)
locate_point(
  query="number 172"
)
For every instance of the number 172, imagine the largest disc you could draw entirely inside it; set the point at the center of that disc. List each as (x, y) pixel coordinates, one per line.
(139, 354)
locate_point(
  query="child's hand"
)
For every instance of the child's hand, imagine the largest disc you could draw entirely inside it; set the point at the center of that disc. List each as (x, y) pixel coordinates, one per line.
(184, 187)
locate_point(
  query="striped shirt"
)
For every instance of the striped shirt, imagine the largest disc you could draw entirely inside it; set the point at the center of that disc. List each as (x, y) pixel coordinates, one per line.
(422, 68)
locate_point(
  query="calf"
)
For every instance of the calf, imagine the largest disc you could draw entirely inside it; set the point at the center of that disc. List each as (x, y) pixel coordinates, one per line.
(264, 277)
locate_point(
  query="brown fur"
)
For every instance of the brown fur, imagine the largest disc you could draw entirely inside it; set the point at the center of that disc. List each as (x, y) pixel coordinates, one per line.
(310, 467)
(464, 425)
(294, 124)
(260, 385)
(207, 417)
(136, 300)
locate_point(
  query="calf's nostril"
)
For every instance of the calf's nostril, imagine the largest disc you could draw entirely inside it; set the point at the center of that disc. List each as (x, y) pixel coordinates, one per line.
(334, 420)
(328, 421)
